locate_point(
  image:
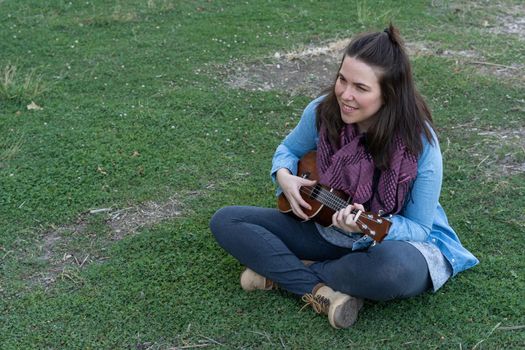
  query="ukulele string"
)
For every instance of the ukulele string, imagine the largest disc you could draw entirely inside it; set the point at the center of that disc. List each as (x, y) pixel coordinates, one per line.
(333, 201)
(321, 196)
(329, 199)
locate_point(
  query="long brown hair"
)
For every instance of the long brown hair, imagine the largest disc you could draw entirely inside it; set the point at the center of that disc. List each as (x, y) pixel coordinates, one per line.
(404, 111)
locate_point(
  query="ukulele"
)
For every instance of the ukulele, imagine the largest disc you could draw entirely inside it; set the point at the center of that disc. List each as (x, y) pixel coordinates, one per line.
(326, 201)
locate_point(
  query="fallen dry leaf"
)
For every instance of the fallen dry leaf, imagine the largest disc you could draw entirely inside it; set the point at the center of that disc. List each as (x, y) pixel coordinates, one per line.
(102, 170)
(33, 106)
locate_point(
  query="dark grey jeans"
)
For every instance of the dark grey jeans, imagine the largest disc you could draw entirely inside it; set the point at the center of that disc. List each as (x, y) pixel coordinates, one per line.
(273, 245)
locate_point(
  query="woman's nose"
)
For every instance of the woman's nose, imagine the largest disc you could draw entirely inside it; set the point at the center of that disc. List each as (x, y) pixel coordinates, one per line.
(348, 93)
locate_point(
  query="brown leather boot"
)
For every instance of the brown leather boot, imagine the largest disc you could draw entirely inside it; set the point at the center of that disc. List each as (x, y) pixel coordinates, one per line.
(251, 280)
(342, 309)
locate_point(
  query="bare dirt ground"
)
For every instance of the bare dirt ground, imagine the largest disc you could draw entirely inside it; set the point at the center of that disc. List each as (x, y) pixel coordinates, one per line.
(512, 22)
(310, 70)
(60, 247)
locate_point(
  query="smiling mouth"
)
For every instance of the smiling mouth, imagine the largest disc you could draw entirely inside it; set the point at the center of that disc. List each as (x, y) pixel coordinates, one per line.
(347, 108)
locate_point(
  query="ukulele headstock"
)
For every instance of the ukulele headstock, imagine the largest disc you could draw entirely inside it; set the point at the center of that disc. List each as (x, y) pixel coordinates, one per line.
(373, 225)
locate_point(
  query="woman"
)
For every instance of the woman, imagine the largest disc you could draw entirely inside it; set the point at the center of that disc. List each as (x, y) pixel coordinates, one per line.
(374, 140)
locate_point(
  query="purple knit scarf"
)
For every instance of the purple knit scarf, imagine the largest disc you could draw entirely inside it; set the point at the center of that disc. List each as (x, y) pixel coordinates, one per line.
(351, 169)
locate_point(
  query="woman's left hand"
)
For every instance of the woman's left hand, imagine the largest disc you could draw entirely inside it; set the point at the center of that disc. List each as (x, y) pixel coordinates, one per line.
(345, 220)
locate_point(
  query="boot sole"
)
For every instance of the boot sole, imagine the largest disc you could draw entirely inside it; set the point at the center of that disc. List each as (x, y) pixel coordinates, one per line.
(344, 314)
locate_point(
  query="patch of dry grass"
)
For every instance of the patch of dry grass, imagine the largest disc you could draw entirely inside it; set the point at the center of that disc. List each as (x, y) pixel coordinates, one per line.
(22, 89)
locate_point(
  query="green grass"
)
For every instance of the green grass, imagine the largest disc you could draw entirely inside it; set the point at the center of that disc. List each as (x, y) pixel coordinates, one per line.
(135, 109)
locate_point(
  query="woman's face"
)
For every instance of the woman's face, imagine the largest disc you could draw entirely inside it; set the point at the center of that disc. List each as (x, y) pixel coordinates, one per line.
(358, 92)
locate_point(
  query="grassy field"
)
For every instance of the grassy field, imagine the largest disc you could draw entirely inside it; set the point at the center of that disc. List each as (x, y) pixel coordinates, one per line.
(123, 131)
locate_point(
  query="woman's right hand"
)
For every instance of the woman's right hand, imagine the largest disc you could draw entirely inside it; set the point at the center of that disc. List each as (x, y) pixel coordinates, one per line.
(291, 185)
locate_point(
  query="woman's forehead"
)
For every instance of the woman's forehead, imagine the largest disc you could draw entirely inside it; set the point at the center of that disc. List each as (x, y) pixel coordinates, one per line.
(359, 71)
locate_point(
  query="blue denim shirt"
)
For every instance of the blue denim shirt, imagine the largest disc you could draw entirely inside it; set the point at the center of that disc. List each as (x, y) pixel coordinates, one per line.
(422, 218)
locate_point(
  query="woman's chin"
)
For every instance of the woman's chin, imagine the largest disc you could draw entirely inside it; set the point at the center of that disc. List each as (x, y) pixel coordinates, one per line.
(347, 119)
